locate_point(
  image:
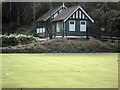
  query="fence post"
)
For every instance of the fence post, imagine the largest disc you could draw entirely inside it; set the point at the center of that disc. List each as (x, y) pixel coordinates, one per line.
(63, 31)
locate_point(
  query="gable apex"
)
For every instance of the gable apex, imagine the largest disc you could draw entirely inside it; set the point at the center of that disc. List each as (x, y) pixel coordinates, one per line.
(47, 15)
(79, 7)
(87, 14)
(67, 13)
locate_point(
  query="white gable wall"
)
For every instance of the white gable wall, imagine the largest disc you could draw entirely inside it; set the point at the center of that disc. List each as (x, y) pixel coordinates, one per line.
(82, 15)
(78, 15)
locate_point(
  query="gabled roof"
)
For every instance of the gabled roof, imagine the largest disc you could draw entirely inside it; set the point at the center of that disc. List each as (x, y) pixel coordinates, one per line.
(47, 14)
(66, 13)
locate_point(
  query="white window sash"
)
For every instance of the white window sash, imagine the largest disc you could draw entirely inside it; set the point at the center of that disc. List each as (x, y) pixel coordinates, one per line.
(72, 27)
(82, 27)
(58, 26)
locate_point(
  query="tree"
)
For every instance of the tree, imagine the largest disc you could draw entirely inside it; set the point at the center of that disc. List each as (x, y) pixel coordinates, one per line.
(105, 14)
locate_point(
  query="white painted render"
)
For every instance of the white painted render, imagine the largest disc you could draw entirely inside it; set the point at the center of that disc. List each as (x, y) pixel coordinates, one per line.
(70, 36)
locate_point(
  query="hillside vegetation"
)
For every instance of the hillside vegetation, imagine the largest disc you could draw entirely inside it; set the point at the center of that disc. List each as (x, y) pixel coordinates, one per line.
(20, 17)
(29, 44)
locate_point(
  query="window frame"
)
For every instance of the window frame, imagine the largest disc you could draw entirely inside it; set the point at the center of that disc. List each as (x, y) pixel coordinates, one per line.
(83, 24)
(58, 26)
(74, 25)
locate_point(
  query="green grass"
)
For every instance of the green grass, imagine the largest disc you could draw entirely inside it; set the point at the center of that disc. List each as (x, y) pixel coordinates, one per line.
(77, 70)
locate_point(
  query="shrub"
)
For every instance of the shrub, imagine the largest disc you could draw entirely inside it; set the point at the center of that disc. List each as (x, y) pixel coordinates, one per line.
(92, 45)
(63, 46)
(23, 39)
(82, 49)
(113, 47)
(9, 40)
(13, 39)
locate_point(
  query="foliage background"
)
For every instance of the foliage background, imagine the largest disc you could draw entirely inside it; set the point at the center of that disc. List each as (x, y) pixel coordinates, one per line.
(17, 15)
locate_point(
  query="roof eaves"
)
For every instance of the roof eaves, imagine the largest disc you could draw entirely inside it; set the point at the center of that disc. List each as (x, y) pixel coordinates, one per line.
(87, 15)
(71, 14)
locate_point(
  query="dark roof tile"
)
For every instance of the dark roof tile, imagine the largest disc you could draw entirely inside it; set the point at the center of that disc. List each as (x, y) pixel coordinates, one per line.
(47, 14)
(65, 13)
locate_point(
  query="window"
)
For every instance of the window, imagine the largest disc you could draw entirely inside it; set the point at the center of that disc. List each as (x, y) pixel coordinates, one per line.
(60, 10)
(40, 30)
(83, 23)
(58, 25)
(83, 26)
(72, 25)
(55, 15)
(72, 22)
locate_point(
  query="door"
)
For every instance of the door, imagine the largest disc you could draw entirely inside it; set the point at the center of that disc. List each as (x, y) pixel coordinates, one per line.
(83, 26)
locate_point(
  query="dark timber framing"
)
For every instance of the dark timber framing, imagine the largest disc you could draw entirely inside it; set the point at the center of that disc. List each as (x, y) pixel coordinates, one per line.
(77, 22)
(69, 22)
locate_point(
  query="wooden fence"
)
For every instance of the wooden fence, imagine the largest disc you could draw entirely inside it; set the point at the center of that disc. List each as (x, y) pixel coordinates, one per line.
(107, 38)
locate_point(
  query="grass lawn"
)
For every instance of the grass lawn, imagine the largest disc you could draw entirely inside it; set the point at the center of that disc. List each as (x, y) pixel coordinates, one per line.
(77, 70)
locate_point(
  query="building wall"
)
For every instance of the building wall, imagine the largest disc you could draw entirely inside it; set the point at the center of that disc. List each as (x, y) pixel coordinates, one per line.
(77, 31)
(55, 31)
(77, 16)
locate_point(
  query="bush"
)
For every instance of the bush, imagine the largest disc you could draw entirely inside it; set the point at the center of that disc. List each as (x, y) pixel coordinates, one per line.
(113, 47)
(23, 39)
(9, 40)
(94, 45)
(13, 39)
(63, 46)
